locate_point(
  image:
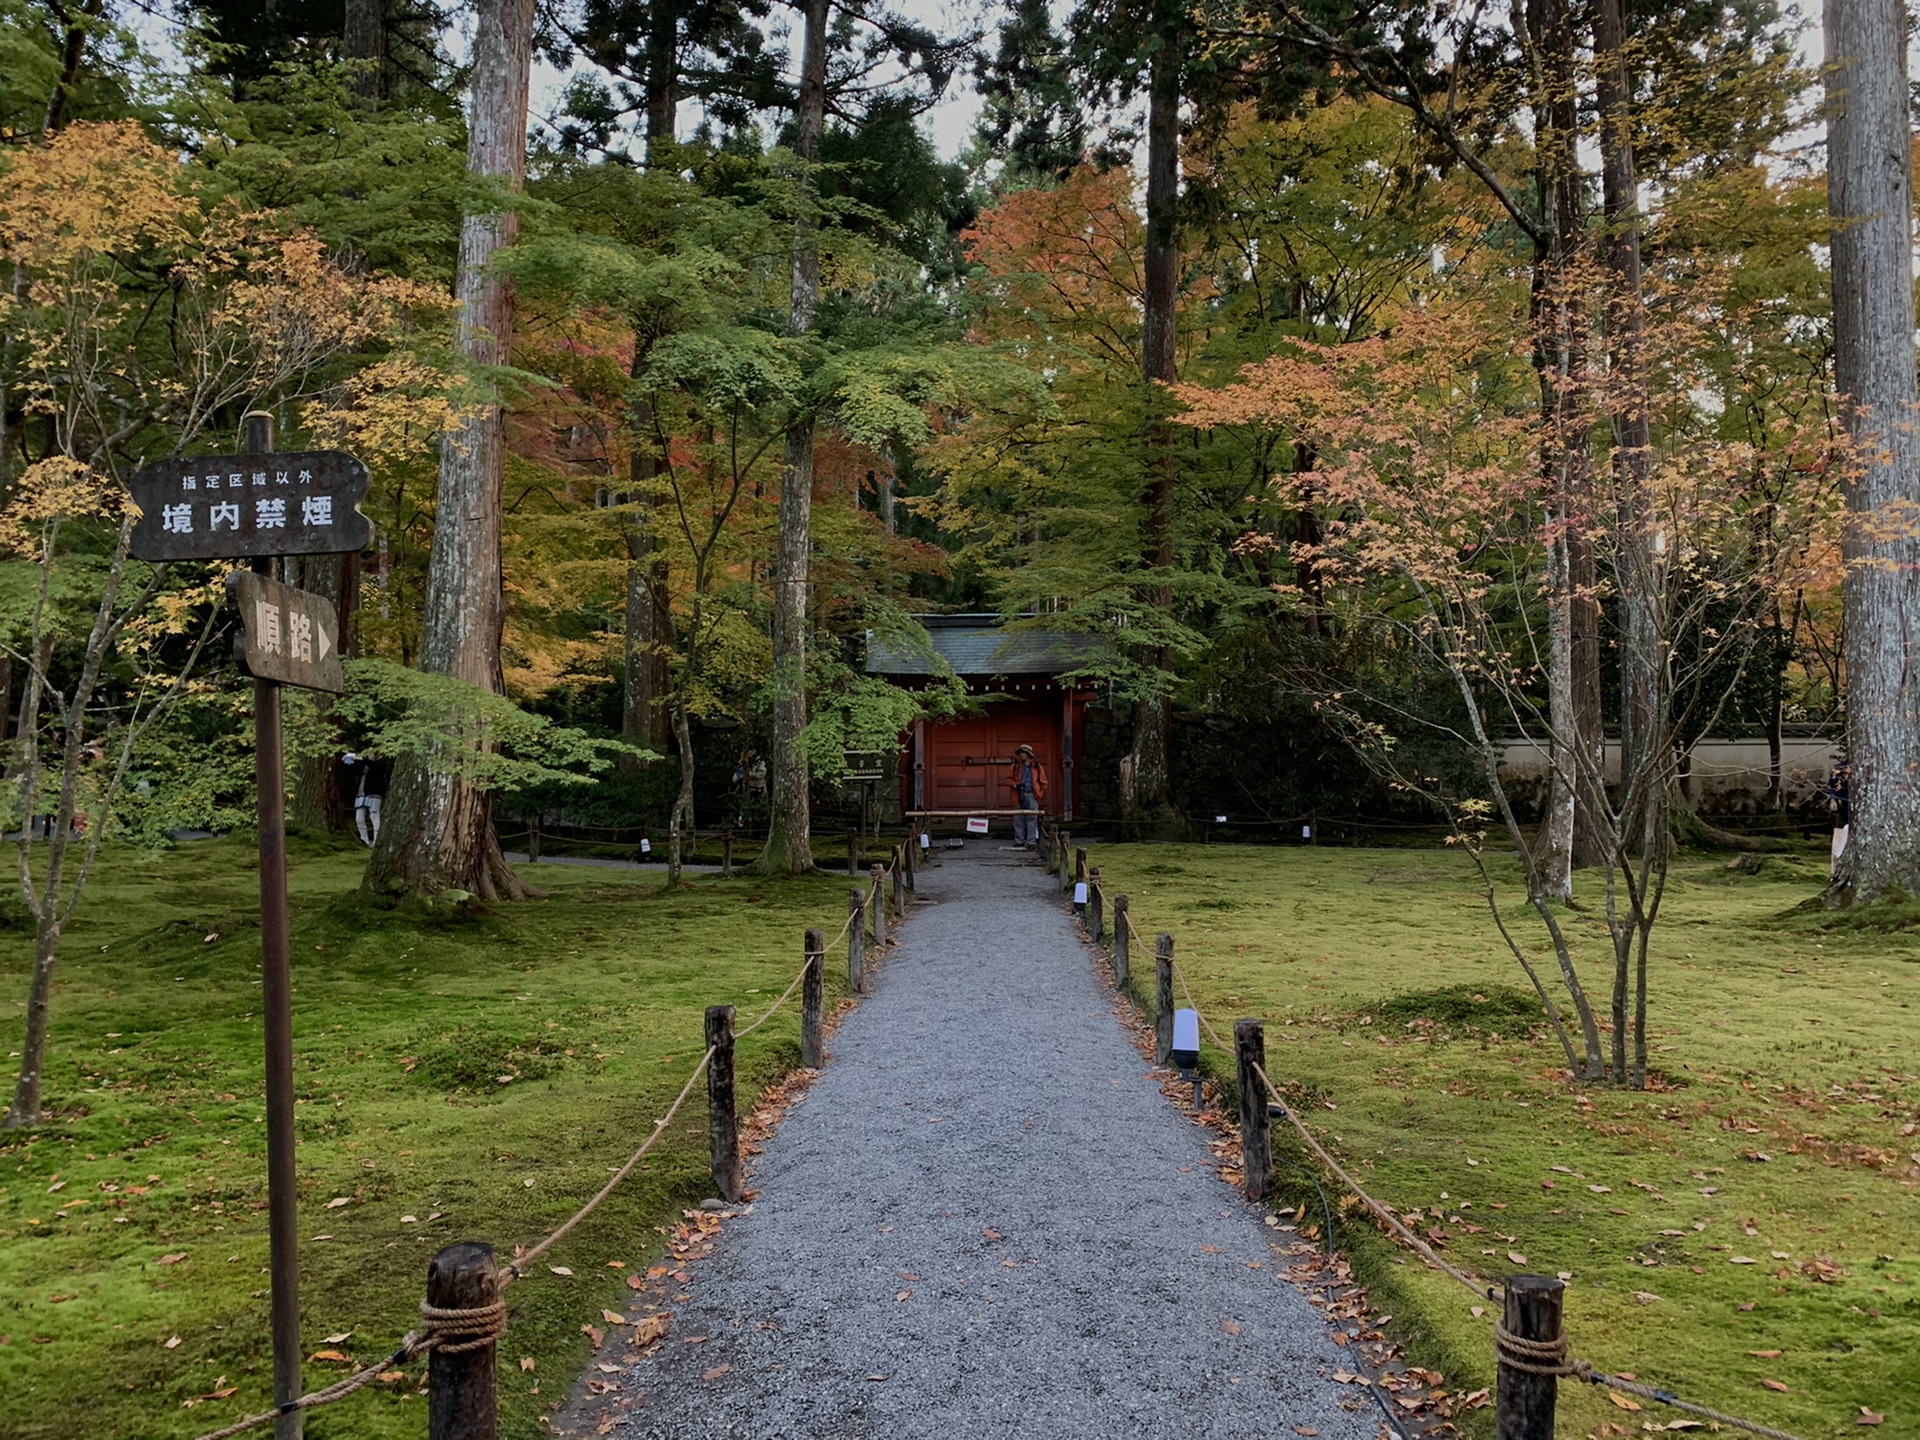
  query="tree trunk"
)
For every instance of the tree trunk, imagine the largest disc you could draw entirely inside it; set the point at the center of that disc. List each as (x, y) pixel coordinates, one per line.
(644, 719)
(1870, 195)
(1560, 331)
(789, 848)
(681, 821)
(1153, 714)
(437, 832)
(363, 36)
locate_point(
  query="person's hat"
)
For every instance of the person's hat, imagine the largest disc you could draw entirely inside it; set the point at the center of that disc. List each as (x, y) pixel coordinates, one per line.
(1023, 749)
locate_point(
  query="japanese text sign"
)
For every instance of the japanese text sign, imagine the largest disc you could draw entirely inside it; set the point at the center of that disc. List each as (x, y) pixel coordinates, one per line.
(291, 635)
(237, 507)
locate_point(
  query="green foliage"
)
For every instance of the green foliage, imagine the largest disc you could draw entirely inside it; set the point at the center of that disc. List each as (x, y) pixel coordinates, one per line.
(462, 730)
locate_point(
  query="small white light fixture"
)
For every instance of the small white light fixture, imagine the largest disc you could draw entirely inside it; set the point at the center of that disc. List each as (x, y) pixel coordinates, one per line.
(926, 841)
(1079, 896)
(1306, 832)
(1185, 1051)
(1219, 819)
(646, 846)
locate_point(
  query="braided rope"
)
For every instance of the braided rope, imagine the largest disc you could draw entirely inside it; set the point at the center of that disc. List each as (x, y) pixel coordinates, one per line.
(1668, 1398)
(515, 1270)
(785, 996)
(1535, 1357)
(480, 1327)
(1380, 1212)
(413, 1345)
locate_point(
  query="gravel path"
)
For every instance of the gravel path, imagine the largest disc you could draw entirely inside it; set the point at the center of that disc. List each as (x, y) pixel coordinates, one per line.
(985, 1220)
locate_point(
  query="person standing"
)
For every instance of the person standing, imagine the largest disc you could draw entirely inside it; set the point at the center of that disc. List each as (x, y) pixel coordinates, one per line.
(368, 796)
(1028, 783)
(1840, 806)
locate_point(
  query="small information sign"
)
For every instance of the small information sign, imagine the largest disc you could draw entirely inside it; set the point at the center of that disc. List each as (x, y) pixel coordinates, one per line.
(241, 507)
(290, 634)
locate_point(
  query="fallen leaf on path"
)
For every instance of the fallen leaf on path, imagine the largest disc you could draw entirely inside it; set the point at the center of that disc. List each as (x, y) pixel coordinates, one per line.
(1779, 1385)
(878, 1377)
(902, 1295)
(1516, 1257)
(174, 1259)
(527, 1362)
(616, 1264)
(1765, 1354)
(1622, 1401)
(595, 1334)
(653, 1328)
(339, 1339)
(1305, 1430)
(715, 1373)
(338, 1201)
(1232, 1327)
(992, 1234)
(329, 1355)
(614, 1317)
(1867, 1417)
(1645, 1297)
(390, 1377)
(560, 1270)
(173, 1343)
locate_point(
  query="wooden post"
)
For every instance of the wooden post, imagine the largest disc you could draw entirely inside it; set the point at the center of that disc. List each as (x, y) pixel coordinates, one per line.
(812, 1044)
(857, 941)
(463, 1401)
(910, 852)
(1526, 1402)
(1256, 1141)
(878, 877)
(726, 856)
(1096, 917)
(853, 852)
(899, 884)
(1079, 864)
(1162, 998)
(1066, 863)
(1121, 939)
(723, 1120)
(533, 840)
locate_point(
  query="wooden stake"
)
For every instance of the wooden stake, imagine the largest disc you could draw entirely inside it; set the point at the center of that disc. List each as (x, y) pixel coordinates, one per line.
(853, 852)
(463, 1400)
(1162, 998)
(1527, 1402)
(899, 885)
(879, 880)
(1079, 864)
(911, 852)
(1096, 920)
(1121, 940)
(1256, 1141)
(857, 941)
(812, 1044)
(723, 1120)
(726, 856)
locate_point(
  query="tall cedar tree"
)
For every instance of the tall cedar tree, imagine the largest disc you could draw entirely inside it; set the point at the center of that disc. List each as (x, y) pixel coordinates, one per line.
(789, 849)
(438, 831)
(1870, 194)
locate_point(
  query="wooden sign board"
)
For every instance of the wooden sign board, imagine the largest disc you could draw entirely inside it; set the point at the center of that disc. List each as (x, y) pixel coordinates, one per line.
(291, 635)
(242, 507)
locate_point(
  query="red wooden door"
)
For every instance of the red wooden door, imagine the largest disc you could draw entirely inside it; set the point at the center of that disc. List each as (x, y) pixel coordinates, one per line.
(971, 759)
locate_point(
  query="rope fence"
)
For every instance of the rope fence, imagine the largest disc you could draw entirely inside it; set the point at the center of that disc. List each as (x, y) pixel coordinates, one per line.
(470, 1319)
(1532, 1351)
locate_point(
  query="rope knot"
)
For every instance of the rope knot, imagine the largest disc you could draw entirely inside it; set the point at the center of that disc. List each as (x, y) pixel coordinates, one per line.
(1533, 1357)
(455, 1332)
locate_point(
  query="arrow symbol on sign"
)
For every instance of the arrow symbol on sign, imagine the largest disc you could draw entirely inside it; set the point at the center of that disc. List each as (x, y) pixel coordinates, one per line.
(323, 640)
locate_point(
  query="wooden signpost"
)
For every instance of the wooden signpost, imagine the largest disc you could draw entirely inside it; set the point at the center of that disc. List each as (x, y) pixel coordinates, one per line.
(261, 506)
